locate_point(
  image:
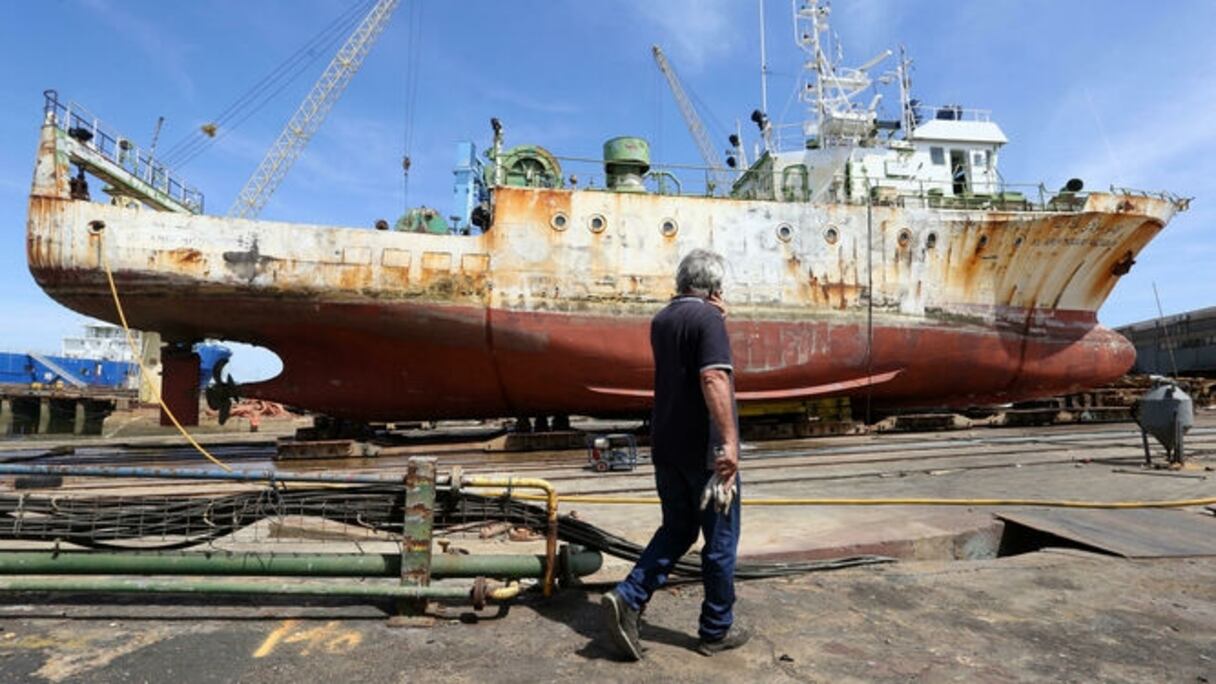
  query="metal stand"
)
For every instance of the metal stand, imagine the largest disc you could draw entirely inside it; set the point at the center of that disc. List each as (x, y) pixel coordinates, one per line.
(419, 510)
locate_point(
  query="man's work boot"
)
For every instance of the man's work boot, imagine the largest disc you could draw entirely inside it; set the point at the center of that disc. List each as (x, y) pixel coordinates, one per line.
(736, 637)
(622, 624)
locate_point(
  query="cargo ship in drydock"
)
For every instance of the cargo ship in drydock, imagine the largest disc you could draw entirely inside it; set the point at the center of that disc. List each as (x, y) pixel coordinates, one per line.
(884, 259)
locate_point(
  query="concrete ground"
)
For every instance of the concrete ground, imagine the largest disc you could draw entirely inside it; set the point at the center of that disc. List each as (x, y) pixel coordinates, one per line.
(949, 611)
(1046, 616)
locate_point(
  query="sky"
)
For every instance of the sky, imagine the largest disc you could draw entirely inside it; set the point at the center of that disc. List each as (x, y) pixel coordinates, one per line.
(1110, 91)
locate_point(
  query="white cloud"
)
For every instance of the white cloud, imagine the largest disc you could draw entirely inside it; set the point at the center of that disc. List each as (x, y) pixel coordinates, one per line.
(1151, 138)
(522, 101)
(158, 45)
(698, 32)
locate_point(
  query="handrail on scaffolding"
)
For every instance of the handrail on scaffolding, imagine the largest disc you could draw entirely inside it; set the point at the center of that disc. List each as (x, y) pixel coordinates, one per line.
(118, 160)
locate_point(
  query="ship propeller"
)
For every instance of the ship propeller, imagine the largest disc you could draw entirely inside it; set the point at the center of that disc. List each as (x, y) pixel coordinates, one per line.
(221, 394)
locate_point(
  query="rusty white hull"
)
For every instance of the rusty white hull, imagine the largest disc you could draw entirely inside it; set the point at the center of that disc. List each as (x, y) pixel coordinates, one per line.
(904, 305)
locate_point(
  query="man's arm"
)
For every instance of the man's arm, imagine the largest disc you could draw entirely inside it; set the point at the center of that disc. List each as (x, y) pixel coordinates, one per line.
(720, 400)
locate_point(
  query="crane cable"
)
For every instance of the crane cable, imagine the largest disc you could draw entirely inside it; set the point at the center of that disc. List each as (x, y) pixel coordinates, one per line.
(145, 374)
(410, 92)
(202, 142)
(260, 94)
(311, 50)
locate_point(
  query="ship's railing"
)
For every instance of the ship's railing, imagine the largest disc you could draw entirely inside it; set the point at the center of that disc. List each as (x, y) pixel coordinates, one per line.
(940, 194)
(795, 136)
(664, 179)
(1182, 202)
(926, 112)
(697, 181)
(799, 136)
(855, 189)
(88, 130)
(788, 137)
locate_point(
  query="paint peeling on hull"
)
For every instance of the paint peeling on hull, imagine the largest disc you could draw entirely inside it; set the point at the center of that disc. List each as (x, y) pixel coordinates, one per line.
(967, 306)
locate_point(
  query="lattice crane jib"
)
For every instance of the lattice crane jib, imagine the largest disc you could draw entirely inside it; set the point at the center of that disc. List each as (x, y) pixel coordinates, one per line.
(312, 112)
(719, 174)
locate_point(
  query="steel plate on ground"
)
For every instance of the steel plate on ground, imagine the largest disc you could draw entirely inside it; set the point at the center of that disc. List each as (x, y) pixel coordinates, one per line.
(1147, 533)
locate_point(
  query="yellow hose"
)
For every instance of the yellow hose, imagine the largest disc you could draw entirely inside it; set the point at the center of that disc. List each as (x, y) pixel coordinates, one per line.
(505, 593)
(145, 374)
(551, 501)
(1047, 503)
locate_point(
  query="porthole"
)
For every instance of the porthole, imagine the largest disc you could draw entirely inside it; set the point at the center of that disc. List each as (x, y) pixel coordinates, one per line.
(669, 227)
(97, 226)
(983, 240)
(1018, 241)
(785, 232)
(905, 237)
(931, 240)
(559, 221)
(597, 223)
(831, 235)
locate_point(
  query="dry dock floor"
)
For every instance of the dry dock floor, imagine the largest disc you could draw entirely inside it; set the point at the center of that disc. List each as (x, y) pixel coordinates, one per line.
(1067, 607)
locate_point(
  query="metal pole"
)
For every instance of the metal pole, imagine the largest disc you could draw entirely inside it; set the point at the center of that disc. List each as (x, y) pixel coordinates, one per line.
(265, 475)
(108, 585)
(513, 566)
(763, 64)
(1169, 343)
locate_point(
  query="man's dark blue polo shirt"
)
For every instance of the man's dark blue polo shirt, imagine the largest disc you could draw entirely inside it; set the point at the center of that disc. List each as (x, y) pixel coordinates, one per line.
(687, 337)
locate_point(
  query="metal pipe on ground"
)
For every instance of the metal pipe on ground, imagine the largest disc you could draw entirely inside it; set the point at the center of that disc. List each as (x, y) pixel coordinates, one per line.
(551, 504)
(474, 481)
(513, 566)
(265, 475)
(110, 585)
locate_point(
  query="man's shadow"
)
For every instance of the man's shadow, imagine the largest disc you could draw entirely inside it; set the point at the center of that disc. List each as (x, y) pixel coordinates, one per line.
(579, 609)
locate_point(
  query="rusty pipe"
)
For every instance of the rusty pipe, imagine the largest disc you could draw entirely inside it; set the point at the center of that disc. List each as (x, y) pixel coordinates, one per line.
(247, 587)
(551, 504)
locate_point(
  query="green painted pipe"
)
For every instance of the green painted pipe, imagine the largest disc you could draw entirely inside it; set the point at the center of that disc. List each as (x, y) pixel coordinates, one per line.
(109, 585)
(581, 563)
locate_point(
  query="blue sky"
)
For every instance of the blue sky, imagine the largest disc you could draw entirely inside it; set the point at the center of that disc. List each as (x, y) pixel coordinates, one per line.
(1111, 92)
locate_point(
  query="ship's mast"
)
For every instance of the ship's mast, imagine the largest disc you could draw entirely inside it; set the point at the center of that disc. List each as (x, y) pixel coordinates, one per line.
(763, 63)
(907, 115)
(829, 89)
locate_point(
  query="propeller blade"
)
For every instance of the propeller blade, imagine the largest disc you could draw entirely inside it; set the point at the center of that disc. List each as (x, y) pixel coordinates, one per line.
(217, 371)
(215, 397)
(221, 394)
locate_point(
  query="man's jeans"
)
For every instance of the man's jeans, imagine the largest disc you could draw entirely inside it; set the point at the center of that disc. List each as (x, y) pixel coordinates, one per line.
(680, 492)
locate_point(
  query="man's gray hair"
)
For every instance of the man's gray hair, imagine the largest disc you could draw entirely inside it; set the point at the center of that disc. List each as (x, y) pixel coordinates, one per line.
(701, 273)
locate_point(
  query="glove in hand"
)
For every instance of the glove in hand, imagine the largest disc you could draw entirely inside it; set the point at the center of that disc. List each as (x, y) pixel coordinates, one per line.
(718, 494)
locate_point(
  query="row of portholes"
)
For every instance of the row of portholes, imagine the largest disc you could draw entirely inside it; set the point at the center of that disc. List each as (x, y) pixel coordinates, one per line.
(785, 233)
(596, 223)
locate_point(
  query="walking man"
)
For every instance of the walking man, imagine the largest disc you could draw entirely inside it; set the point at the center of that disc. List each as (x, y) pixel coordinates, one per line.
(694, 434)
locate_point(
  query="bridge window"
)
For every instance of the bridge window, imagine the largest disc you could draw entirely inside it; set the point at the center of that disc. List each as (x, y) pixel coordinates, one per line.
(937, 155)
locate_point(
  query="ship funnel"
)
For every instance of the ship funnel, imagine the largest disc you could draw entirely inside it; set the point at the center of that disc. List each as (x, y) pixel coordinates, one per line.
(626, 161)
(1073, 185)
